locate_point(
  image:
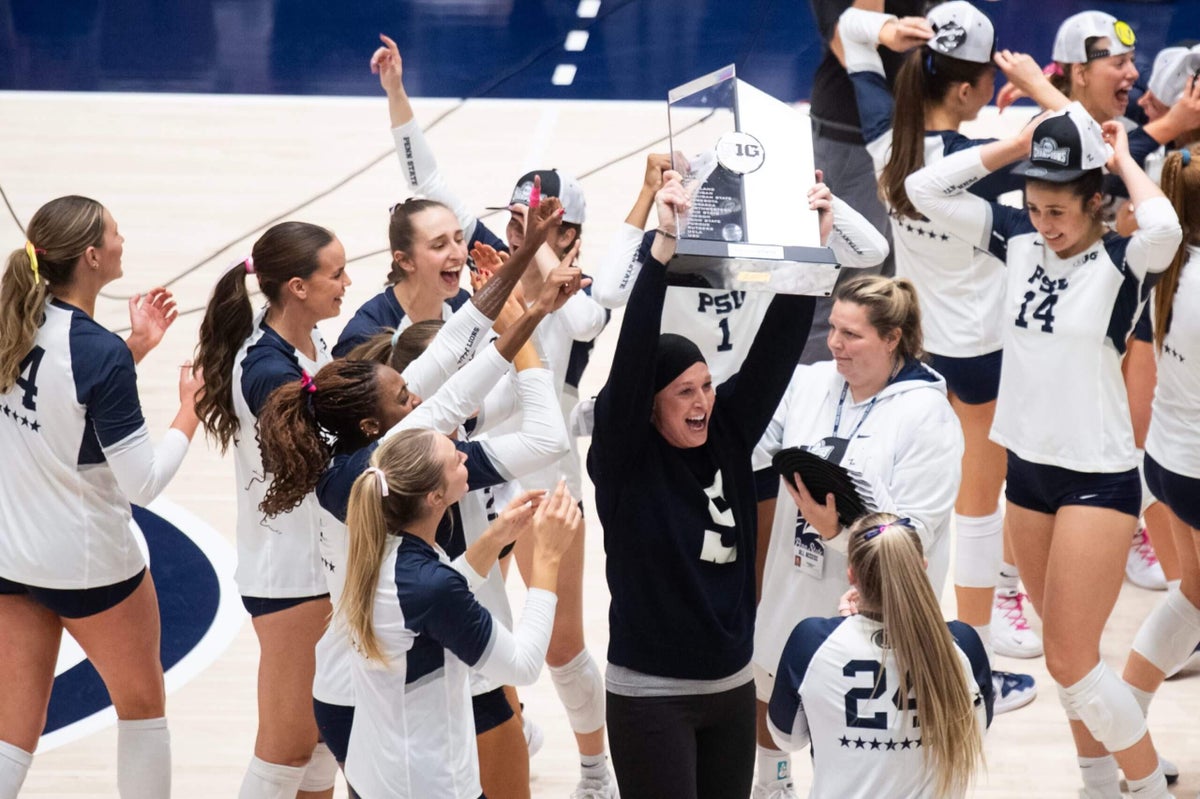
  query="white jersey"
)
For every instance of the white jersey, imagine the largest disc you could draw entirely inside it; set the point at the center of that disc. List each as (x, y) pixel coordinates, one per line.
(905, 441)
(1174, 437)
(1062, 400)
(839, 690)
(76, 453)
(960, 289)
(478, 509)
(722, 323)
(414, 734)
(278, 557)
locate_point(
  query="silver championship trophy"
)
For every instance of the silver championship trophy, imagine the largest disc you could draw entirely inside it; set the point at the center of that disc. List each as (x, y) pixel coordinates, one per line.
(747, 160)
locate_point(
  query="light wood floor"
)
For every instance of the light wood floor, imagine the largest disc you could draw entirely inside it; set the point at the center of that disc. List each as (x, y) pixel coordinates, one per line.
(187, 175)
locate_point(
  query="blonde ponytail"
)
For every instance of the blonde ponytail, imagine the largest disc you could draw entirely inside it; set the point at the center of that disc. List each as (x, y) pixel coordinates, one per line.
(57, 236)
(407, 466)
(888, 565)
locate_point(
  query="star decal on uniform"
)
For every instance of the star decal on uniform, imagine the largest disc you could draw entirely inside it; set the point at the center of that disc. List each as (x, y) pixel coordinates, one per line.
(945, 237)
(905, 744)
(845, 742)
(891, 745)
(875, 744)
(35, 426)
(859, 743)
(24, 421)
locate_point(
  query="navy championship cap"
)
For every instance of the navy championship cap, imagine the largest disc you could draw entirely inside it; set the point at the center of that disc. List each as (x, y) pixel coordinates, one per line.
(1066, 146)
(554, 184)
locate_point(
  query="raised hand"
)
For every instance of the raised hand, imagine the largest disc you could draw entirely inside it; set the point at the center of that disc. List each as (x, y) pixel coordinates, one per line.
(820, 199)
(562, 283)
(1116, 138)
(541, 219)
(671, 201)
(905, 33)
(656, 165)
(516, 517)
(387, 64)
(486, 259)
(149, 317)
(556, 522)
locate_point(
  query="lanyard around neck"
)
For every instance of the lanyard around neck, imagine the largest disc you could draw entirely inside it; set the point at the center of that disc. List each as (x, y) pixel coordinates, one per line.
(837, 419)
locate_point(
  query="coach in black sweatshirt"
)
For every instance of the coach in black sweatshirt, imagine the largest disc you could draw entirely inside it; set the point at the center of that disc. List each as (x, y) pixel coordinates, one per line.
(670, 460)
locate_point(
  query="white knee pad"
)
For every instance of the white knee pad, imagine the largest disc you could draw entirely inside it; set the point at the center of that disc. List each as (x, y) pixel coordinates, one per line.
(321, 770)
(1065, 701)
(1170, 633)
(979, 542)
(265, 780)
(580, 688)
(1105, 705)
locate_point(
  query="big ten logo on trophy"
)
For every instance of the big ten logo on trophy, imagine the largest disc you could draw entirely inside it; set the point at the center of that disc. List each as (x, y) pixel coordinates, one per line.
(740, 152)
(748, 227)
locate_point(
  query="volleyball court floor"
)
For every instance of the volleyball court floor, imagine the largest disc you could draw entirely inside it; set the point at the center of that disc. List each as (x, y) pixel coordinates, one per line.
(193, 180)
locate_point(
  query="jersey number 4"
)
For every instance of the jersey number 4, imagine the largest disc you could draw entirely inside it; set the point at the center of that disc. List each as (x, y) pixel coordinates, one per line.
(855, 716)
(1044, 312)
(27, 379)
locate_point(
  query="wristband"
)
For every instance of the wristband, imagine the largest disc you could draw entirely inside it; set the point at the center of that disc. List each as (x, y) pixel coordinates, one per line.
(668, 234)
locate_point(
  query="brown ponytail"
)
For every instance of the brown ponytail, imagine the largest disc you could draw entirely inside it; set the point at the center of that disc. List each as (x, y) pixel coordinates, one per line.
(412, 470)
(1181, 184)
(298, 429)
(924, 80)
(59, 233)
(888, 566)
(412, 343)
(285, 251)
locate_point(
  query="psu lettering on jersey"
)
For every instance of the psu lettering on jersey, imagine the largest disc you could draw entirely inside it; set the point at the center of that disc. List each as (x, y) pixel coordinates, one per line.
(721, 303)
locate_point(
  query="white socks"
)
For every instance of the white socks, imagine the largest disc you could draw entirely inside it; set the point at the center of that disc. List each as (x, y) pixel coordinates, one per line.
(1101, 779)
(143, 759)
(265, 780)
(773, 765)
(1153, 786)
(1008, 582)
(14, 765)
(594, 767)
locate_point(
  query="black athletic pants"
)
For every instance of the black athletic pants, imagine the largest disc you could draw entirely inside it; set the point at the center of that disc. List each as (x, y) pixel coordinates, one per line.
(683, 747)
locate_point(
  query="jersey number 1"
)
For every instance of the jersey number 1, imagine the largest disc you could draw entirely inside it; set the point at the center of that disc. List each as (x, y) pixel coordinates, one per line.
(725, 345)
(27, 378)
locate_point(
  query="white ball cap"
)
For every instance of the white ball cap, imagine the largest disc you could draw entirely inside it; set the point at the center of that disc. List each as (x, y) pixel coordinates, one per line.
(1070, 45)
(1172, 68)
(962, 31)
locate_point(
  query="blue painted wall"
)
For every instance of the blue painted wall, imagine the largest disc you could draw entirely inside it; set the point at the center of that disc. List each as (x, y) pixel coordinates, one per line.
(637, 49)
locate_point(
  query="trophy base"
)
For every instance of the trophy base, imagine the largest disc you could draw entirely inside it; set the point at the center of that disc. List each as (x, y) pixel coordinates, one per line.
(733, 266)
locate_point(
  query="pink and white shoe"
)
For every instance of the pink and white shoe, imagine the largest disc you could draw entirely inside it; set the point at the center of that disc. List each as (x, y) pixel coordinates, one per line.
(1141, 566)
(1011, 634)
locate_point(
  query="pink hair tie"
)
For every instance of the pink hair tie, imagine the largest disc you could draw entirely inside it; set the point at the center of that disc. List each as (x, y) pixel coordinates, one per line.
(1053, 69)
(308, 383)
(249, 264)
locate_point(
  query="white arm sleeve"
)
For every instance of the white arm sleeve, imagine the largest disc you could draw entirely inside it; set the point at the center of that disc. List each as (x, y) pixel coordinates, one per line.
(454, 345)
(859, 32)
(142, 469)
(420, 169)
(855, 241)
(501, 402)
(613, 280)
(460, 397)
(939, 192)
(1154, 243)
(582, 317)
(474, 579)
(797, 737)
(542, 438)
(516, 658)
